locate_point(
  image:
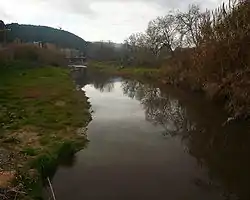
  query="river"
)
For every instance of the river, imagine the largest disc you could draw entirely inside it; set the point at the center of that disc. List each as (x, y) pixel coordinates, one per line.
(152, 143)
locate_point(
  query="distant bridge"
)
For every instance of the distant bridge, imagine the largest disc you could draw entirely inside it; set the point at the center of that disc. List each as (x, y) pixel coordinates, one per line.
(76, 60)
(77, 64)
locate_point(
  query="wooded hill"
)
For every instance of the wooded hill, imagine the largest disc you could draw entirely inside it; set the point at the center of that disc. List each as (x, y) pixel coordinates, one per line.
(31, 33)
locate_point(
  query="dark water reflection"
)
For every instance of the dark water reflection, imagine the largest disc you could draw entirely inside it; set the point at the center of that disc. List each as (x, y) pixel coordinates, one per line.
(197, 157)
(160, 108)
(223, 149)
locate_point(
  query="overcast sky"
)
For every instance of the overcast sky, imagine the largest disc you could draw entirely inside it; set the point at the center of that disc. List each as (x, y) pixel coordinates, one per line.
(93, 20)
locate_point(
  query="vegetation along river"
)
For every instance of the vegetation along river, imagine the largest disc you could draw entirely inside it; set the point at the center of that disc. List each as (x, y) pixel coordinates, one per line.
(150, 143)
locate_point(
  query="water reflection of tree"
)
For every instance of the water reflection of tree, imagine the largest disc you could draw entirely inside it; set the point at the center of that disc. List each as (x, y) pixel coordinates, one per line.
(105, 86)
(160, 109)
(224, 150)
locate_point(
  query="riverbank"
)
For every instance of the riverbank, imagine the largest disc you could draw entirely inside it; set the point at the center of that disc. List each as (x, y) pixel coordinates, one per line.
(113, 68)
(43, 119)
(231, 92)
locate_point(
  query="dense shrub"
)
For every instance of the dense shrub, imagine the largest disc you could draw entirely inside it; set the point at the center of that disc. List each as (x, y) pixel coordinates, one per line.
(220, 64)
(31, 53)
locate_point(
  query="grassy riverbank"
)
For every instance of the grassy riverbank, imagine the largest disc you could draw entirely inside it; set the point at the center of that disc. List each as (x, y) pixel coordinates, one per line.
(128, 72)
(42, 120)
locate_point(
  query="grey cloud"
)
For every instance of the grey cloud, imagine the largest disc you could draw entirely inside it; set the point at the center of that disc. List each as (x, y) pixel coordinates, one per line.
(4, 15)
(83, 6)
(69, 6)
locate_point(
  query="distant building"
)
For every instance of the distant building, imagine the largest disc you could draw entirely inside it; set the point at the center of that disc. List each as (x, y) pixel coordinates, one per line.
(38, 44)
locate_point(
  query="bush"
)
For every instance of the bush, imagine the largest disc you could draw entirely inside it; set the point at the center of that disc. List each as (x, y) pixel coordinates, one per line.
(223, 54)
(31, 53)
(220, 64)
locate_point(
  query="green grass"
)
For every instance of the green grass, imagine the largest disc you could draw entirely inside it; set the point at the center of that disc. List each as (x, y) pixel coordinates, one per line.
(30, 97)
(29, 151)
(128, 72)
(40, 112)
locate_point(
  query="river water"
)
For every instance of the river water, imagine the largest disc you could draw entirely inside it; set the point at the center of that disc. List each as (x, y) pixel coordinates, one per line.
(152, 143)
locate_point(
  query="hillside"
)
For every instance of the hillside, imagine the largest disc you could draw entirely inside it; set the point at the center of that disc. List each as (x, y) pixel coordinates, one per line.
(31, 33)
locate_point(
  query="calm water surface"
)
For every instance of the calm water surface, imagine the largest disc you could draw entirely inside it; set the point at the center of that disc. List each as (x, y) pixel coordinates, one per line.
(148, 143)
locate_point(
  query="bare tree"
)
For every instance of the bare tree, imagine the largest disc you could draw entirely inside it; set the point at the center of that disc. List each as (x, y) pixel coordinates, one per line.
(138, 49)
(137, 40)
(163, 33)
(188, 25)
